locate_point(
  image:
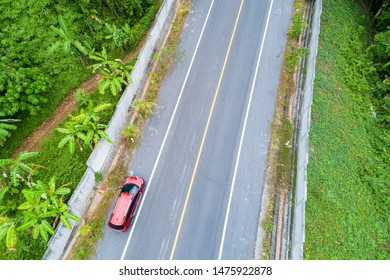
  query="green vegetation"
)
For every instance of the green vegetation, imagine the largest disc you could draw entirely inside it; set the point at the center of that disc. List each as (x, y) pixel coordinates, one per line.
(93, 228)
(267, 225)
(29, 204)
(348, 204)
(282, 127)
(5, 127)
(45, 47)
(84, 128)
(298, 23)
(116, 73)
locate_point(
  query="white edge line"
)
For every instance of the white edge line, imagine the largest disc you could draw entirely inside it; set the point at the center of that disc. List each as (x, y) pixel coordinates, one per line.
(242, 136)
(166, 134)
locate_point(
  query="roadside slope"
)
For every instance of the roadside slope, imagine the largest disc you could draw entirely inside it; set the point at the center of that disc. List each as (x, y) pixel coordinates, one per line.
(343, 210)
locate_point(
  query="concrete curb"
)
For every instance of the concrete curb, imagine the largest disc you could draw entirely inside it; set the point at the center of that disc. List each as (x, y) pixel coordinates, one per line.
(298, 227)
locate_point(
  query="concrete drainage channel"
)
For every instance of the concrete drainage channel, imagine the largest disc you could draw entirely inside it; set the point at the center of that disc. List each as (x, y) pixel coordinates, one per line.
(288, 234)
(102, 156)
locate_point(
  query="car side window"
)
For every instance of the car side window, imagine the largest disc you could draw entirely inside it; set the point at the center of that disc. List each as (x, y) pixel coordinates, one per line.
(132, 206)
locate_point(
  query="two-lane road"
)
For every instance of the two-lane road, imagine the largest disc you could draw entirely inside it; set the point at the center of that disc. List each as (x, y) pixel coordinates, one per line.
(203, 152)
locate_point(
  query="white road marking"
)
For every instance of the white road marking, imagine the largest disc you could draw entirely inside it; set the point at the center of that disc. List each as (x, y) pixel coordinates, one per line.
(242, 135)
(166, 134)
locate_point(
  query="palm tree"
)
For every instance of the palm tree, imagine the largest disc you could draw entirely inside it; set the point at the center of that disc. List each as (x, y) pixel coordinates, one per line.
(84, 128)
(130, 41)
(117, 35)
(5, 126)
(66, 39)
(45, 201)
(116, 72)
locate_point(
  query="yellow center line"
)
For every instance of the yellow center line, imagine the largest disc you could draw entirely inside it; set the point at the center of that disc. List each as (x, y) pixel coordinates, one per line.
(205, 133)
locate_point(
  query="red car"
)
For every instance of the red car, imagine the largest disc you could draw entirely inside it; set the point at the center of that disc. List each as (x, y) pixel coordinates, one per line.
(126, 203)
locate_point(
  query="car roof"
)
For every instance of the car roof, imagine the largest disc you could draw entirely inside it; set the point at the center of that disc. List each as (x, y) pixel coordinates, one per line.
(122, 205)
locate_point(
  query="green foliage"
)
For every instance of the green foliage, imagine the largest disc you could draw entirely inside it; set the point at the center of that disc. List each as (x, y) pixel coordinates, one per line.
(41, 202)
(298, 23)
(120, 37)
(82, 98)
(84, 128)
(348, 172)
(293, 56)
(116, 72)
(381, 52)
(84, 230)
(66, 39)
(25, 249)
(22, 84)
(13, 169)
(25, 28)
(98, 176)
(5, 126)
(65, 166)
(127, 9)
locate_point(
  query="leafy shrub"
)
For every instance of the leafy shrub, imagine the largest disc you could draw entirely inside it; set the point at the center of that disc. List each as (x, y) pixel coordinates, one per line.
(298, 23)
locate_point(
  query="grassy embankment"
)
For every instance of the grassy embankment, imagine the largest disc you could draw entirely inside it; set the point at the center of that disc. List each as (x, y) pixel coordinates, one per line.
(347, 209)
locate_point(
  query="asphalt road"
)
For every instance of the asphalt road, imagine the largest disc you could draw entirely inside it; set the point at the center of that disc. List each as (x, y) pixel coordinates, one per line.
(203, 152)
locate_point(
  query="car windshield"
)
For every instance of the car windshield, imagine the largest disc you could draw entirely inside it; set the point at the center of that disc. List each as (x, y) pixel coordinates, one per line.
(131, 188)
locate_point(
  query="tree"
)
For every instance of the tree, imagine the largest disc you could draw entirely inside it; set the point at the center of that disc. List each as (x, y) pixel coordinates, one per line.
(132, 9)
(116, 72)
(84, 129)
(43, 203)
(22, 84)
(117, 36)
(381, 51)
(120, 37)
(66, 39)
